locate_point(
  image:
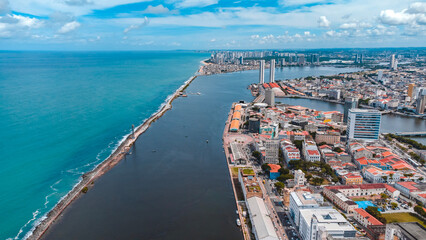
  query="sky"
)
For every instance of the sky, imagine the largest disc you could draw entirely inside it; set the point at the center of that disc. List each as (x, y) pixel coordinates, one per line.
(210, 24)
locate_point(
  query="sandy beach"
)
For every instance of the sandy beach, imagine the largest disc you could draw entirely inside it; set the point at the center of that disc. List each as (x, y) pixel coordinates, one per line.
(88, 178)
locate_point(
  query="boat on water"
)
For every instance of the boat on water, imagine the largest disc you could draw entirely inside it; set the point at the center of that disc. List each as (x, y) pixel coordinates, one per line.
(184, 95)
(238, 222)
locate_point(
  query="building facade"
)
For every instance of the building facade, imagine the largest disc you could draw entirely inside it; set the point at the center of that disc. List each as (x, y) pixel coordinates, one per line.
(363, 124)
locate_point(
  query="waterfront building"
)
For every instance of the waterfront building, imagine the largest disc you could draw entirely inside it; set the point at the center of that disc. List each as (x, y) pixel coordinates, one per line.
(249, 183)
(262, 226)
(272, 71)
(301, 58)
(421, 101)
(349, 104)
(363, 124)
(410, 90)
(270, 97)
(262, 72)
(405, 231)
(238, 155)
(323, 223)
(271, 151)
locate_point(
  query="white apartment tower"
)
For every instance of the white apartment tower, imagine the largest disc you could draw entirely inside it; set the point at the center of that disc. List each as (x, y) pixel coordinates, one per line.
(262, 72)
(272, 71)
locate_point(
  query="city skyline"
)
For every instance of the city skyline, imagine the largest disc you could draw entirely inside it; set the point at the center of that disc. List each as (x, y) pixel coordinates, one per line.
(209, 24)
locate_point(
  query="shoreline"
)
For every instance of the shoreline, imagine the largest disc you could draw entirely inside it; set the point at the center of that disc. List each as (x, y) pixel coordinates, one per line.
(88, 178)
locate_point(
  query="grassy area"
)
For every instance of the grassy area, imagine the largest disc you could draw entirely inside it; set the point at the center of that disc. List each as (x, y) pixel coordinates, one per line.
(401, 217)
(359, 199)
(234, 171)
(248, 171)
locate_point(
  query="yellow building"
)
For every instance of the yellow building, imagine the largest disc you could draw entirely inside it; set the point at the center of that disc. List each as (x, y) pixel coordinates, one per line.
(410, 90)
(352, 179)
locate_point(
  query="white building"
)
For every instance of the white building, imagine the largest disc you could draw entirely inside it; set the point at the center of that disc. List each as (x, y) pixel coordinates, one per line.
(272, 71)
(291, 153)
(303, 200)
(310, 151)
(299, 178)
(263, 228)
(318, 223)
(363, 124)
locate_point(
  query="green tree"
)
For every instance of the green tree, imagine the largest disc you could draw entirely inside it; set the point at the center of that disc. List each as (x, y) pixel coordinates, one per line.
(257, 155)
(280, 186)
(394, 205)
(317, 181)
(374, 211)
(266, 167)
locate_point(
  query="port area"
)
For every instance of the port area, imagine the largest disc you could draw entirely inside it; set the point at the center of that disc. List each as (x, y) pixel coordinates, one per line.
(257, 189)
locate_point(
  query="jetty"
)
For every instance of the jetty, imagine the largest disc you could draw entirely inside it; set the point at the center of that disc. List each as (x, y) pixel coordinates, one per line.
(88, 178)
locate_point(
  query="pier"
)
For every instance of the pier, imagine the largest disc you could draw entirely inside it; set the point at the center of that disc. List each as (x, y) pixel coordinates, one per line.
(411, 134)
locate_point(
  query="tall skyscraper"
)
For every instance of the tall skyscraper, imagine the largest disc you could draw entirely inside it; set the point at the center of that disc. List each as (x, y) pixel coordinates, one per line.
(363, 124)
(411, 90)
(349, 104)
(262, 72)
(272, 71)
(380, 75)
(421, 101)
(270, 97)
(393, 63)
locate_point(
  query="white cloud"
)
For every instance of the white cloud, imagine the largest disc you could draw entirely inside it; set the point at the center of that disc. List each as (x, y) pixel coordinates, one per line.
(136, 26)
(194, 3)
(12, 25)
(4, 6)
(417, 7)
(348, 26)
(396, 18)
(69, 27)
(299, 2)
(76, 7)
(323, 22)
(156, 9)
(213, 40)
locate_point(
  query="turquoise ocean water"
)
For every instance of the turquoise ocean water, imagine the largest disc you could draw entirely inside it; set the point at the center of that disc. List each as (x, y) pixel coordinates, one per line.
(62, 113)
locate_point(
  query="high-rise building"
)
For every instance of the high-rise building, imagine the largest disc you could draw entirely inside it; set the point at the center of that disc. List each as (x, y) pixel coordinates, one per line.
(393, 63)
(262, 72)
(363, 124)
(349, 104)
(301, 59)
(241, 60)
(411, 90)
(272, 71)
(270, 97)
(380, 75)
(421, 101)
(271, 151)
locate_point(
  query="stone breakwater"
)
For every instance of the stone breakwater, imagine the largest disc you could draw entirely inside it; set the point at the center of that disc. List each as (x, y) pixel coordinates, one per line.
(89, 177)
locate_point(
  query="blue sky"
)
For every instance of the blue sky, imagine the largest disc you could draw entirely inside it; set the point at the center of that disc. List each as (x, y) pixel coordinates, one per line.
(210, 24)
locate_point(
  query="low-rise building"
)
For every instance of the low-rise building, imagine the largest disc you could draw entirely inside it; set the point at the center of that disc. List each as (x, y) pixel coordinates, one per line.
(405, 231)
(329, 137)
(262, 226)
(366, 219)
(303, 200)
(352, 178)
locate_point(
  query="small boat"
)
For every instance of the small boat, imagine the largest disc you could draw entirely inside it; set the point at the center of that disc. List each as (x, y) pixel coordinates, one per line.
(184, 95)
(236, 211)
(207, 141)
(238, 222)
(198, 93)
(154, 150)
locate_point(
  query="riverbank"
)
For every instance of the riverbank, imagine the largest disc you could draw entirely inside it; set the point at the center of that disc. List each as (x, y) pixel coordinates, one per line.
(88, 178)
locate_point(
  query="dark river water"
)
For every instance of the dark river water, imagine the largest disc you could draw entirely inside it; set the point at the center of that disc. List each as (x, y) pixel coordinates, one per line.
(175, 185)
